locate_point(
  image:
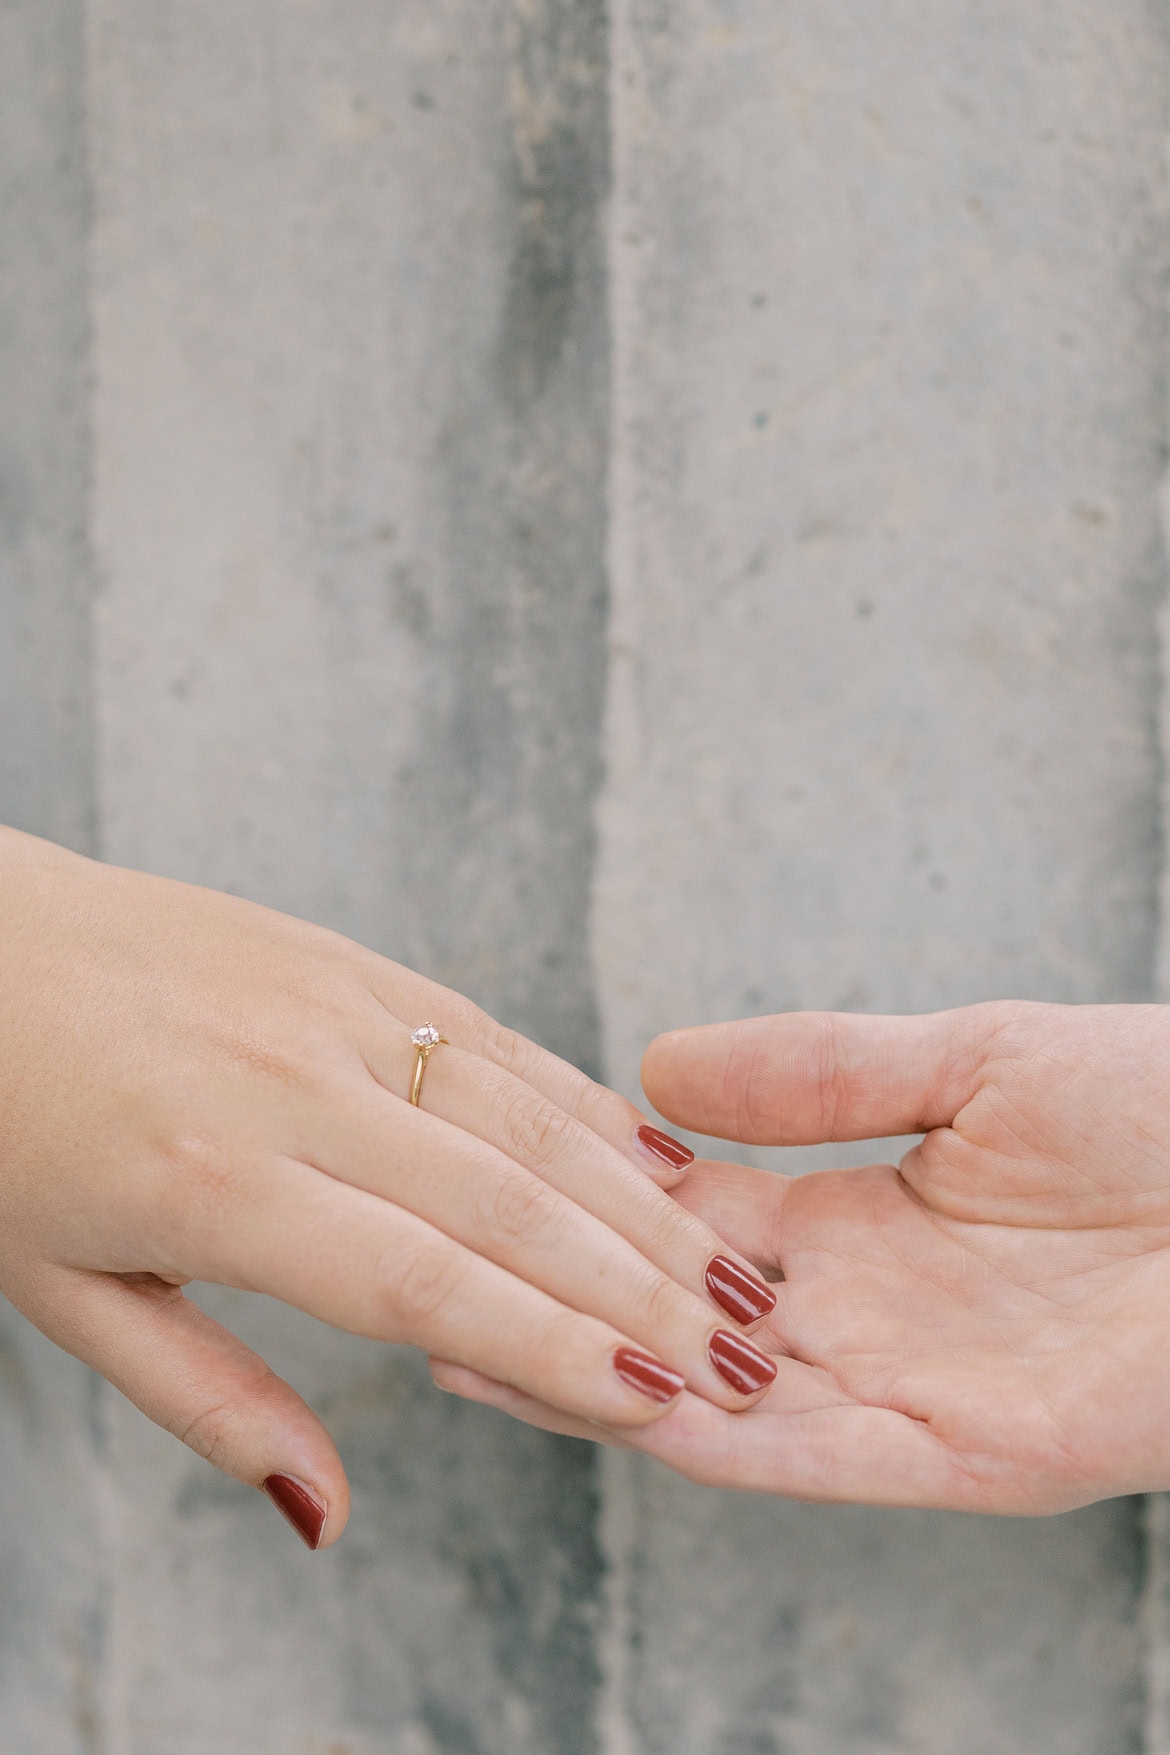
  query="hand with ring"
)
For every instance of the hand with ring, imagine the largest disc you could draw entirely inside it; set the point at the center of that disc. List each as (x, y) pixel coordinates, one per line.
(195, 1088)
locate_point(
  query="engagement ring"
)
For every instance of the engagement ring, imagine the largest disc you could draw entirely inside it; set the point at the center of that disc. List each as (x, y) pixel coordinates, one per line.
(425, 1038)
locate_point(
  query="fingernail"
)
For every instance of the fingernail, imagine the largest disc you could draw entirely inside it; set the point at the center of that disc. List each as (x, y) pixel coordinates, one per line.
(740, 1364)
(648, 1375)
(671, 1152)
(737, 1292)
(302, 1509)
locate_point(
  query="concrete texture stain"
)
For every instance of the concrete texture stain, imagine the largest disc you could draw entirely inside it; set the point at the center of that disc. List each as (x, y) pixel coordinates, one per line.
(16, 1387)
(512, 758)
(556, 101)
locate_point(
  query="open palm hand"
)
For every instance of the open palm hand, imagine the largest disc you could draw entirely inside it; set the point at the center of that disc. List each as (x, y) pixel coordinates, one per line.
(982, 1327)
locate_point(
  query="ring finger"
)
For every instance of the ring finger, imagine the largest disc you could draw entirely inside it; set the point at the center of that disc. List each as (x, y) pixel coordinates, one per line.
(487, 1201)
(486, 1100)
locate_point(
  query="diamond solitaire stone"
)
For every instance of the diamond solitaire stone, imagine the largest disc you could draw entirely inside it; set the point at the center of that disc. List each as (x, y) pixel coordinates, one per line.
(426, 1036)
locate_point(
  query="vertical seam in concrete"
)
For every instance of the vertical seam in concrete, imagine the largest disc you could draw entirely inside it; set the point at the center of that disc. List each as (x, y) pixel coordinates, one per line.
(93, 573)
(1155, 1603)
(615, 1645)
(1155, 1600)
(96, 847)
(1161, 974)
(1155, 1536)
(623, 737)
(618, 1526)
(112, 1733)
(1155, 1632)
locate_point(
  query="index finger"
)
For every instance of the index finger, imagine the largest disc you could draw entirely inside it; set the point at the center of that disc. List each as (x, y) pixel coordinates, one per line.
(603, 1111)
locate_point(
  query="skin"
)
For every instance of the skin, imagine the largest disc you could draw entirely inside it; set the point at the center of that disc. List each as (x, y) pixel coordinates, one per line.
(196, 1088)
(983, 1327)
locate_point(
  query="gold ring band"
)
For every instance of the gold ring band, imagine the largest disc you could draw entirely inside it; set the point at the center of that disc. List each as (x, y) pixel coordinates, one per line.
(426, 1039)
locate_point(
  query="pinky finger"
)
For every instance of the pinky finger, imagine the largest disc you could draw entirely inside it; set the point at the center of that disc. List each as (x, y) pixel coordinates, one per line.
(473, 1386)
(190, 1376)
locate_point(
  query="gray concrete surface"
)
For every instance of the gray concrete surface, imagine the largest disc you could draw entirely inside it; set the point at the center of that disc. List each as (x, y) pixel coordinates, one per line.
(646, 513)
(53, 1499)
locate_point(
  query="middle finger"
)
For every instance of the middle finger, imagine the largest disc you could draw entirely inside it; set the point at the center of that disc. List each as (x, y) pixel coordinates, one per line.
(502, 1109)
(484, 1199)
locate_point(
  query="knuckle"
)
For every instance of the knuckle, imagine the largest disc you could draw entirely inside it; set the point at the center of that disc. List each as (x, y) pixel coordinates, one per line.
(521, 1207)
(294, 1062)
(209, 1434)
(204, 1174)
(535, 1127)
(557, 1341)
(995, 1029)
(499, 1044)
(662, 1300)
(671, 1231)
(421, 1287)
(833, 1080)
(604, 1111)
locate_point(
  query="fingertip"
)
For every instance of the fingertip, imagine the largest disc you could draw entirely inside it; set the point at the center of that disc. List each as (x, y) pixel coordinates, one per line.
(306, 1510)
(334, 1530)
(202, 1384)
(657, 1062)
(649, 1390)
(652, 1380)
(313, 1497)
(663, 1157)
(748, 1371)
(671, 1065)
(739, 1291)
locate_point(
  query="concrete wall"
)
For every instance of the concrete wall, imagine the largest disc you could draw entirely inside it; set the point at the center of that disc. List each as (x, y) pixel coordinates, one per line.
(646, 512)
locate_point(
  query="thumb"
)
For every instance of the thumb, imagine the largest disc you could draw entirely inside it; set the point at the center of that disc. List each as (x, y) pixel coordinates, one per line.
(192, 1377)
(807, 1077)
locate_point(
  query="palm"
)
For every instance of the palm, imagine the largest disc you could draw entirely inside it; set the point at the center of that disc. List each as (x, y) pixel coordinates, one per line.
(985, 1327)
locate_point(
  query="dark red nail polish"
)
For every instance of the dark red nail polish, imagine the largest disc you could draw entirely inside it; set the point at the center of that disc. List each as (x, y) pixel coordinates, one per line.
(302, 1509)
(647, 1375)
(740, 1364)
(671, 1152)
(737, 1292)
